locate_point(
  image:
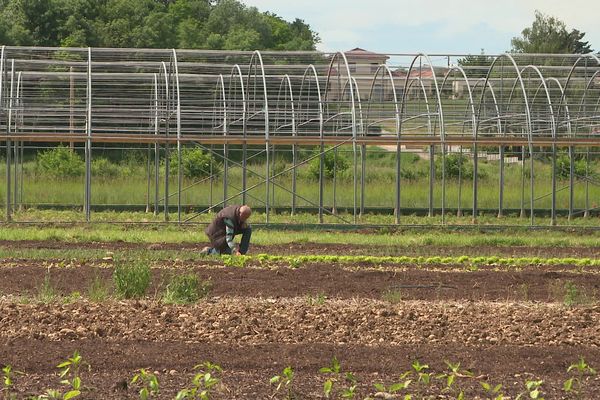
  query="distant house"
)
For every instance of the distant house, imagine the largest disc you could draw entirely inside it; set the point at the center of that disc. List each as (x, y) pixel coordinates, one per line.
(363, 66)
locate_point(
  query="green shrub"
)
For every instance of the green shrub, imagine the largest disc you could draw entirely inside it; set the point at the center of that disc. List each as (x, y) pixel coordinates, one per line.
(104, 168)
(331, 161)
(195, 163)
(60, 162)
(455, 164)
(131, 279)
(187, 288)
(563, 167)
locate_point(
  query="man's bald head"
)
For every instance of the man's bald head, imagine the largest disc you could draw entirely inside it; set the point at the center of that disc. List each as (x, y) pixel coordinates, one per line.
(245, 212)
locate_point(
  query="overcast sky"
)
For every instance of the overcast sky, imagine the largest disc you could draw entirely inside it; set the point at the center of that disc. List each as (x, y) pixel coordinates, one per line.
(434, 26)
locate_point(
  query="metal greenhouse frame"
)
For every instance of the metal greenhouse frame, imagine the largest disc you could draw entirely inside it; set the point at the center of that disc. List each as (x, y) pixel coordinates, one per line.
(354, 101)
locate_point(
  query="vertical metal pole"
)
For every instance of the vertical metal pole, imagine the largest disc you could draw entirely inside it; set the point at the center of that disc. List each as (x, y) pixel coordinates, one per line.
(522, 182)
(167, 147)
(363, 170)
(586, 213)
(501, 184)
(16, 172)
(475, 181)
(553, 206)
(148, 176)
(431, 177)
(460, 155)
(321, 186)
(88, 142)
(226, 174)
(156, 148)
(334, 209)
(71, 106)
(8, 143)
(294, 176)
(443, 183)
(244, 168)
(355, 180)
(18, 190)
(571, 181)
(267, 181)
(532, 181)
(211, 180)
(175, 83)
(398, 171)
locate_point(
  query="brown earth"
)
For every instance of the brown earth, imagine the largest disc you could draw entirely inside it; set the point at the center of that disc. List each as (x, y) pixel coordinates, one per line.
(506, 326)
(328, 248)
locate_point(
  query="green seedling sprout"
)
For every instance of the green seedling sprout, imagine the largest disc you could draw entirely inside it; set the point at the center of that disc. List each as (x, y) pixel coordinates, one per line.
(336, 376)
(452, 377)
(149, 384)
(285, 380)
(533, 389)
(574, 384)
(70, 375)
(8, 383)
(493, 390)
(203, 382)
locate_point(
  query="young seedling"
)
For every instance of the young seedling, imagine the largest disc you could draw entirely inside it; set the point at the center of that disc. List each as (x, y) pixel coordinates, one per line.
(491, 390)
(337, 377)
(452, 377)
(70, 375)
(203, 383)
(7, 379)
(580, 370)
(235, 261)
(389, 391)
(420, 369)
(285, 380)
(149, 384)
(533, 390)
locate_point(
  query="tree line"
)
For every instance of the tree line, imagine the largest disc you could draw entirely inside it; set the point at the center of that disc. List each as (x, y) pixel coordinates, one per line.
(193, 24)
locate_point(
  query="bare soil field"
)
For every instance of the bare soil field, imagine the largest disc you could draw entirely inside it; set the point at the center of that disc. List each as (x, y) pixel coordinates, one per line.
(506, 326)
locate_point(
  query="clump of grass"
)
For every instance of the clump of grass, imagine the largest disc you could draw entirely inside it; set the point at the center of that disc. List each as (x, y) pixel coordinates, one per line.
(185, 289)
(47, 292)
(316, 299)
(131, 279)
(393, 296)
(569, 294)
(99, 290)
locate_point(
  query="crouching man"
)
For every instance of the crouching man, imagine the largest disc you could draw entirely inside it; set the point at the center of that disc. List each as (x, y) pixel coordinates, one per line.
(229, 222)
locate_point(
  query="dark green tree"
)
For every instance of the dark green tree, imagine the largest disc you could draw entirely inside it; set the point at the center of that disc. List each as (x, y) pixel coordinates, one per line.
(550, 35)
(476, 66)
(199, 24)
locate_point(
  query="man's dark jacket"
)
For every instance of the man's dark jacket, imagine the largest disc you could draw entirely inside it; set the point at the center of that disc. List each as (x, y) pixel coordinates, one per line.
(217, 229)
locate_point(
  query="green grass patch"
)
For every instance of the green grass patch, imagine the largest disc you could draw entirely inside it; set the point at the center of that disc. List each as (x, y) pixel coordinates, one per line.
(185, 289)
(131, 278)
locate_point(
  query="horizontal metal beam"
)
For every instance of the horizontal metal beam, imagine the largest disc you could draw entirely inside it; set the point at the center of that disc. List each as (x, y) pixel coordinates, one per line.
(305, 140)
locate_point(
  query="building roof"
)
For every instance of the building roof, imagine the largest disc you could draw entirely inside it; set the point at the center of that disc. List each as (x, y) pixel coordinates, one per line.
(359, 53)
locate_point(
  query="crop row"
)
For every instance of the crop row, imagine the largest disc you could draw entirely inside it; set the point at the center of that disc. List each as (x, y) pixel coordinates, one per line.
(295, 261)
(207, 382)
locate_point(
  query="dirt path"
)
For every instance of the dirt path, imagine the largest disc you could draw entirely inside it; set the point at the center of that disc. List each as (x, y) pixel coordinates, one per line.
(328, 248)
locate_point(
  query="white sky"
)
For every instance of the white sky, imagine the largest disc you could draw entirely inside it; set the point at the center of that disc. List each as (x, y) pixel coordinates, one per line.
(434, 26)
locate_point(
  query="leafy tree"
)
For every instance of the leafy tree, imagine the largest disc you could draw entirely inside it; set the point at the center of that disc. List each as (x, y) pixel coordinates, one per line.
(476, 66)
(550, 35)
(199, 24)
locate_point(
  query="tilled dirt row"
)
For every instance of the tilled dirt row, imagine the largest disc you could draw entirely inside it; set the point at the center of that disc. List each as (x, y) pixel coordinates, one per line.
(293, 321)
(328, 248)
(247, 369)
(253, 339)
(392, 283)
